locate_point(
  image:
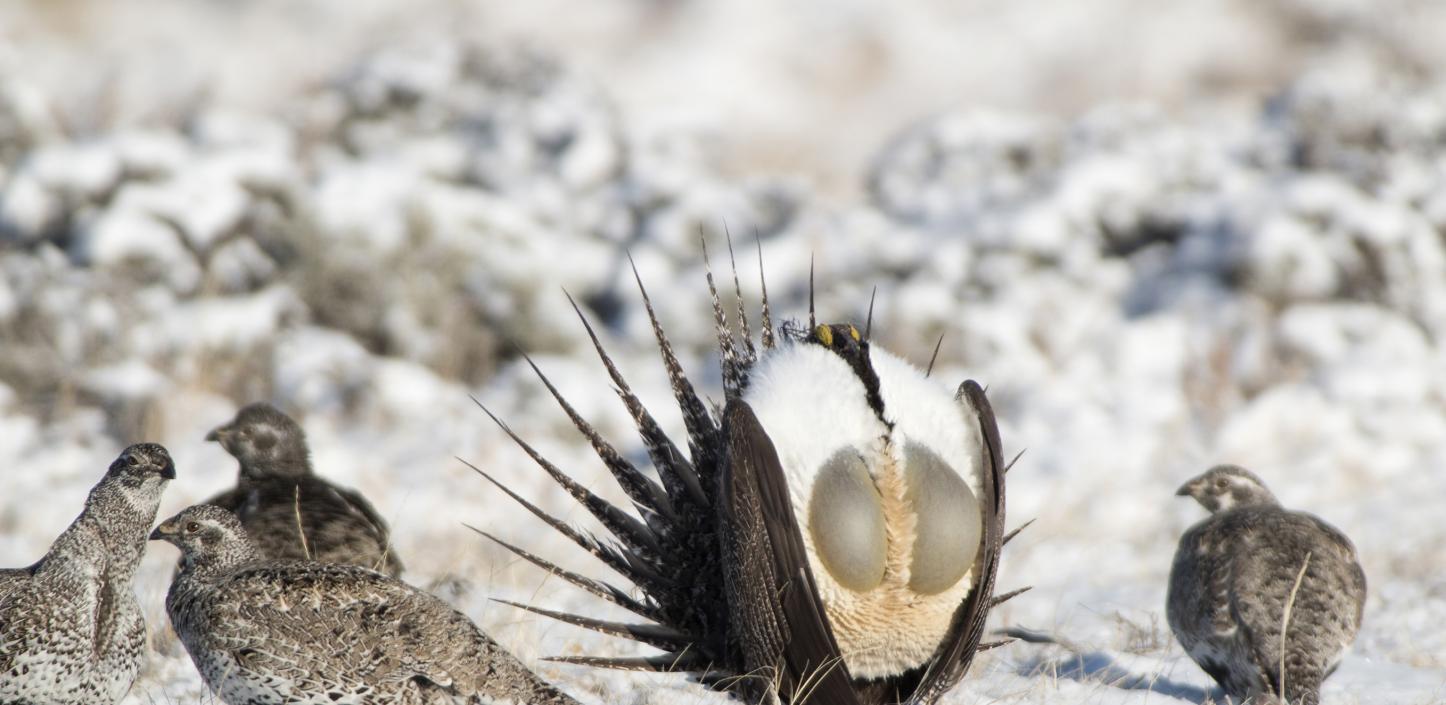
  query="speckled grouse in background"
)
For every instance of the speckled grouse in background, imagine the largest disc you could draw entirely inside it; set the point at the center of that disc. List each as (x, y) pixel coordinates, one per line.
(1255, 579)
(70, 628)
(269, 631)
(276, 483)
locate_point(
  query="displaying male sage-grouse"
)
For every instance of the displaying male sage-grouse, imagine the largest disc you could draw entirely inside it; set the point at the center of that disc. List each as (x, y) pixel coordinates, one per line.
(832, 538)
(70, 628)
(1265, 599)
(276, 484)
(284, 631)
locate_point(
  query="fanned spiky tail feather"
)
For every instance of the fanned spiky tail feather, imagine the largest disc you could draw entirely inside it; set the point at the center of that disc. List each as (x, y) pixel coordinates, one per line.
(670, 554)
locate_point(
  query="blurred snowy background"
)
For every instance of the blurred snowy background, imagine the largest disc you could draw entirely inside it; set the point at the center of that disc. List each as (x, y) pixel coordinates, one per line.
(1165, 235)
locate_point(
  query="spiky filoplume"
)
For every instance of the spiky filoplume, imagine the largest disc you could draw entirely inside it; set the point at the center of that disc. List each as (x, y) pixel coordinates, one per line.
(288, 510)
(283, 631)
(1266, 600)
(739, 582)
(70, 628)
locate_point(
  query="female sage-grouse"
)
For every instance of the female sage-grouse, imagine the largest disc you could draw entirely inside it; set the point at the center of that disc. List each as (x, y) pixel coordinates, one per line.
(829, 536)
(70, 628)
(276, 484)
(1265, 599)
(283, 632)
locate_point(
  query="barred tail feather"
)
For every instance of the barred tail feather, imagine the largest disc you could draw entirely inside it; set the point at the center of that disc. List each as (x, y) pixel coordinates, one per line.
(769, 339)
(651, 634)
(702, 429)
(677, 473)
(733, 376)
(750, 353)
(666, 663)
(620, 560)
(597, 587)
(670, 555)
(646, 494)
(621, 524)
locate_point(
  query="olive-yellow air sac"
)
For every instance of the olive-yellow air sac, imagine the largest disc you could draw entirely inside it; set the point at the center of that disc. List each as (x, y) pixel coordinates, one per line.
(949, 524)
(846, 518)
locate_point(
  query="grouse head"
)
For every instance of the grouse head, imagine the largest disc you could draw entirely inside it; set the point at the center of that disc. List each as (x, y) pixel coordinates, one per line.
(136, 478)
(265, 441)
(1225, 487)
(211, 539)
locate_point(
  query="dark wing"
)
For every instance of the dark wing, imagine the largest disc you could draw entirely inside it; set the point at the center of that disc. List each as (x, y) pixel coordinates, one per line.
(951, 661)
(780, 620)
(308, 517)
(1196, 605)
(378, 526)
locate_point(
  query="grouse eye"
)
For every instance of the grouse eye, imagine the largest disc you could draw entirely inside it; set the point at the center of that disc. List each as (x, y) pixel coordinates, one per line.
(192, 527)
(131, 461)
(1221, 483)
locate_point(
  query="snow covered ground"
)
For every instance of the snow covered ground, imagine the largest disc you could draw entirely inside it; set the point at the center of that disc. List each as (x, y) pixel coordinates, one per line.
(1162, 238)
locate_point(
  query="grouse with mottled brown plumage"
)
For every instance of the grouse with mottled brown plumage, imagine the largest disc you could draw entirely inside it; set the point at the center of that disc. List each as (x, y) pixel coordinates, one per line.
(283, 632)
(287, 509)
(70, 628)
(1265, 599)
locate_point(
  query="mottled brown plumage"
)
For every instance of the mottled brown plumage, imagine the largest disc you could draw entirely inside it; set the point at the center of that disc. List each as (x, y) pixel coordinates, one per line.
(282, 631)
(71, 630)
(275, 483)
(1239, 572)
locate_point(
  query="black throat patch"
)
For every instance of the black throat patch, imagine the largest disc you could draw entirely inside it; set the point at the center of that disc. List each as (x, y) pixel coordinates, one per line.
(844, 340)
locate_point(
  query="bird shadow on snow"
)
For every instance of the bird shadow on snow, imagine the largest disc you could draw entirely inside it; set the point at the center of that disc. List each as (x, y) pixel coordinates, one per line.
(1095, 666)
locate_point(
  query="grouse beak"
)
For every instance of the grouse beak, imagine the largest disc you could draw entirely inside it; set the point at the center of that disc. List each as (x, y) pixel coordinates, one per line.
(217, 434)
(1184, 490)
(168, 471)
(163, 532)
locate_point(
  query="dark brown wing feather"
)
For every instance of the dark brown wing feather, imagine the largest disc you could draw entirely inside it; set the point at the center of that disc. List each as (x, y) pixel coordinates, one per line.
(392, 565)
(770, 585)
(339, 525)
